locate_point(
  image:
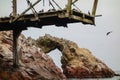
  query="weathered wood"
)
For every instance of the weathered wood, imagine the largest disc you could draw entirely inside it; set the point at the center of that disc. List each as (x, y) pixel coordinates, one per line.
(69, 7)
(58, 18)
(94, 7)
(46, 18)
(14, 8)
(25, 11)
(16, 34)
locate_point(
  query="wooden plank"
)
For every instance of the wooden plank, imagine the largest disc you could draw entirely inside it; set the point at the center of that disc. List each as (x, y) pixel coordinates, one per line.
(47, 18)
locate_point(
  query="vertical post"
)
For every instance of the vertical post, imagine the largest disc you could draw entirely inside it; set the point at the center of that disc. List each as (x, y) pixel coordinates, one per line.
(15, 38)
(94, 7)
(69, 7)
(14, 8)
(16, 34)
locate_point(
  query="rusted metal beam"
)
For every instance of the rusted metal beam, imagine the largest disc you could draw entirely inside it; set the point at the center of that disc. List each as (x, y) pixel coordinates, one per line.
(94, 7)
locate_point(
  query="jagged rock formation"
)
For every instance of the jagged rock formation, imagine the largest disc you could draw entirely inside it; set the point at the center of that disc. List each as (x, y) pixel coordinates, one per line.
(34, 64)
(76, 62)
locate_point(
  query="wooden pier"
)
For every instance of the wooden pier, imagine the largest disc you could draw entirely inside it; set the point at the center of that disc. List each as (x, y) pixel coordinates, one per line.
(61, 17)
(58, 18)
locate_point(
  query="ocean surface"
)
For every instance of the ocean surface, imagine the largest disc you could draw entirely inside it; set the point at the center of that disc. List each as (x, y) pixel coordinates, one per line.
(113, 78)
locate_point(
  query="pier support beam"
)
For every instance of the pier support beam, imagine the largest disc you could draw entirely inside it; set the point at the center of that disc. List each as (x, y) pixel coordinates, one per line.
(14, 8)
(16, 33)
(94, 7)
(69, 7)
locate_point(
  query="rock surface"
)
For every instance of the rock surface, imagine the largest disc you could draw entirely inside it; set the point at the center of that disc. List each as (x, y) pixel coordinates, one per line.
(34, 64)
(76, 62)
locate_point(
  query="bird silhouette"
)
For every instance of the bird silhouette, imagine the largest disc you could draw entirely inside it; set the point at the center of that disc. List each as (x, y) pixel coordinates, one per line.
(108, 33)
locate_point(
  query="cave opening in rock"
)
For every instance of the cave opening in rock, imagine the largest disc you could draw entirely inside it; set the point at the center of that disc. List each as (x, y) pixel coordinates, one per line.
(56, 56)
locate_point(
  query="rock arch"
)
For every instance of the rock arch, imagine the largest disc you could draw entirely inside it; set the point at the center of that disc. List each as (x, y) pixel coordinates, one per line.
(76, 62)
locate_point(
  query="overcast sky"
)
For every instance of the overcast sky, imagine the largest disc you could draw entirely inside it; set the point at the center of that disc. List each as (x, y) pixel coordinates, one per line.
(106, 48)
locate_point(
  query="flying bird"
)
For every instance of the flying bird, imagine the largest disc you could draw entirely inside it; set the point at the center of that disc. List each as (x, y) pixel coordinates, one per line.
(109, 33)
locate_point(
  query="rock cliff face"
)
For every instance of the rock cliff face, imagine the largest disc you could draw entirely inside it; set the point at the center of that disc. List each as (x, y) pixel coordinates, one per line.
(34, 64)
(76, 62)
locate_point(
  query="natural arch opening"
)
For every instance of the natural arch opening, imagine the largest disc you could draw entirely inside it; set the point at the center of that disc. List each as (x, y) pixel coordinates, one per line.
(56, 56)
(75, 61)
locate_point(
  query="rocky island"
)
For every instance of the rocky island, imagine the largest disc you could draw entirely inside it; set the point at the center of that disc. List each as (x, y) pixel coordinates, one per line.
(36, 65)
(76, 62)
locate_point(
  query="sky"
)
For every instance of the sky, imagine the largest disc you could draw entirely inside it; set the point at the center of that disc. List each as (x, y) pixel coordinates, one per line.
(106, 48)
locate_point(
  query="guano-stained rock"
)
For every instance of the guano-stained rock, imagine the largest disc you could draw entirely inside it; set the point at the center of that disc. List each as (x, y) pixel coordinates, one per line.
(34, 64)
(76, 62)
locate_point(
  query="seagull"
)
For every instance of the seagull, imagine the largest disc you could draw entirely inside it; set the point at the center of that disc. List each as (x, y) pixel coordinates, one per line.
(109, 33)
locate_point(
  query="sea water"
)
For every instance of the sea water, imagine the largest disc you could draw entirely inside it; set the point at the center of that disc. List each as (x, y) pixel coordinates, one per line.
(113, 78)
